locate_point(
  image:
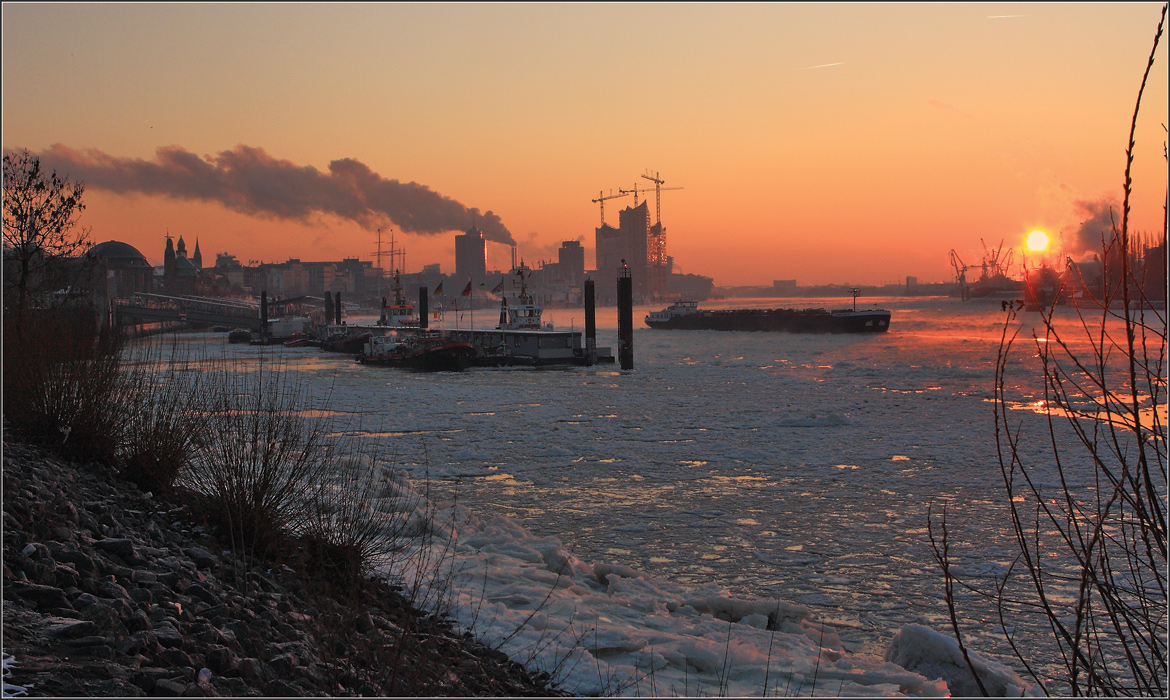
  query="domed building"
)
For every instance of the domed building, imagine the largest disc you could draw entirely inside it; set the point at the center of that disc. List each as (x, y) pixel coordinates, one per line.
(122, 266)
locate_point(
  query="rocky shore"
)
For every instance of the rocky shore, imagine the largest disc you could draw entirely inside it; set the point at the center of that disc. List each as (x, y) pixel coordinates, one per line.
(109, 591)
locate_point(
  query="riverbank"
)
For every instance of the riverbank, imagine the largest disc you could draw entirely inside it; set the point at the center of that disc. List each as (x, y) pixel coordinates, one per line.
(109, 591)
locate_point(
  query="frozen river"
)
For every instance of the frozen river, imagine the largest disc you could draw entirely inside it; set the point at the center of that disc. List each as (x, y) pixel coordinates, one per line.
(770, 466)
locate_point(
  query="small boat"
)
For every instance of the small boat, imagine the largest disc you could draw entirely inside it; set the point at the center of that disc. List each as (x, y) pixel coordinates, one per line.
(346, 339)
(302, 340)
(240, 335)
(427, 352)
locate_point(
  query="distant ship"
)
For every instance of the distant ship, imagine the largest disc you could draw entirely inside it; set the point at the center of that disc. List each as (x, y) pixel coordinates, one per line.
(686, 315)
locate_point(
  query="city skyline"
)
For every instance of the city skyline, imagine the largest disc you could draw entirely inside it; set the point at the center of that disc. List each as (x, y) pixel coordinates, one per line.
(832, 143)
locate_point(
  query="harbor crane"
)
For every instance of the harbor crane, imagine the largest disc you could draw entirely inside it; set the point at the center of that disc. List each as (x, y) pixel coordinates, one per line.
(993, 266)
(960, 274)
(601, 197)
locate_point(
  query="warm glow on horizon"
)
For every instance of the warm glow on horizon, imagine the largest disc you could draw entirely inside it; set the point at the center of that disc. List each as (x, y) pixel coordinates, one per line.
(1037, 241)
(829, 143)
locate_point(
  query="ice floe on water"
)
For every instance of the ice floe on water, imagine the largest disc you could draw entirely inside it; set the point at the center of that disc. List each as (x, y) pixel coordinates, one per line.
(743, 513)
(602, 628)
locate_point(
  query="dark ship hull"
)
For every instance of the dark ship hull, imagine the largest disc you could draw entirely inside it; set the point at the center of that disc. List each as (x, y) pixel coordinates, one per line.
(786, 320)
(425, 355)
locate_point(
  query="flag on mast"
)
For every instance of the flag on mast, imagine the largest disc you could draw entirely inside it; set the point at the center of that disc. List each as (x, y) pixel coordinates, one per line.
(467, 289)
(439, 289)
(499, 287)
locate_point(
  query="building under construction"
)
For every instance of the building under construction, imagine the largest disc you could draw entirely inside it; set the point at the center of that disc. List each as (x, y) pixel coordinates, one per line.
(635, 241)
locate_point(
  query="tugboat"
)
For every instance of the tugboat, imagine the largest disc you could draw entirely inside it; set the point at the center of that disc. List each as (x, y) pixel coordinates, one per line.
(686, 315)
(521, 338)
(427, 352)
(401, 313)
(525, 314)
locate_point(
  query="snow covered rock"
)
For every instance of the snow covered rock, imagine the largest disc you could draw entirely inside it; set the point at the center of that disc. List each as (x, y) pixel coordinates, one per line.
(933, 655)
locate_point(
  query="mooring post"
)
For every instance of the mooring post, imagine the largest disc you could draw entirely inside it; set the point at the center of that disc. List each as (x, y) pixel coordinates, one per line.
(625, 295)
(423, 311)
(590, 324)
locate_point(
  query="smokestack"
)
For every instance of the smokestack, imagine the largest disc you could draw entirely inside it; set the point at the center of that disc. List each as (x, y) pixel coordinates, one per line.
(328, 308)
(337, 308)
(590, 324)
(625, 300)
(423, 311)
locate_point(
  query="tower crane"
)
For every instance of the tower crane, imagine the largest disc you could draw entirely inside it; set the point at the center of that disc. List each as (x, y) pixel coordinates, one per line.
(658, 182)
(658, 190)
(601, 197)
(634, 191)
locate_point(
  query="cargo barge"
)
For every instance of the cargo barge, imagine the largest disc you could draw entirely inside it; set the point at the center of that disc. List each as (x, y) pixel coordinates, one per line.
(685, 315)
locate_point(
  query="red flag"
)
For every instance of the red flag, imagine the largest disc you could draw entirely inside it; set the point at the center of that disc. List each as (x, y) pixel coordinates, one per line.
(499, 287)
(467, 289)
(439, 289)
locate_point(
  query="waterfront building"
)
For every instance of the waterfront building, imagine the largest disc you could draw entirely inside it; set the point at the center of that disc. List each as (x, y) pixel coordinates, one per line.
(471, 255)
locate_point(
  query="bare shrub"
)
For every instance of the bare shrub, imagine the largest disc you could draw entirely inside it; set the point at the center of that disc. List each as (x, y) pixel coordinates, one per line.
(62, 383)
(163, 395)
(259, 460)
(360, 519)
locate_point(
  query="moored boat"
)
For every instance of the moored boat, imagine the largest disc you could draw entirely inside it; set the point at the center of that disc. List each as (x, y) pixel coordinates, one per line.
(400, 314)
(428, 352)
(346, 339)
(523, 339)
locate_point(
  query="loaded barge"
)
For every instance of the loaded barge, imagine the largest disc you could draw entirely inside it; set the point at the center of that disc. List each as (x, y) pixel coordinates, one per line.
(685, 315)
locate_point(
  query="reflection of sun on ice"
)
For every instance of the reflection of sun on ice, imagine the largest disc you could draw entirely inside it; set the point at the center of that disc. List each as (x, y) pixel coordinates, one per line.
(1037, 240)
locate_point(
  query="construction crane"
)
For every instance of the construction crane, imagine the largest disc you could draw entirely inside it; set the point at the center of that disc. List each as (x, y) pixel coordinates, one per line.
(601, 197)
(635, 192)
(658, 182)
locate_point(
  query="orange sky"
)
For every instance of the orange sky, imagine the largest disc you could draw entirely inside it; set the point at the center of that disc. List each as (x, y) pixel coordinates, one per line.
(827, 143)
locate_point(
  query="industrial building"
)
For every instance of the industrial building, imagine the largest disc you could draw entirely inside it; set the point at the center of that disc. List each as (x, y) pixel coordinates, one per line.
(471, 255)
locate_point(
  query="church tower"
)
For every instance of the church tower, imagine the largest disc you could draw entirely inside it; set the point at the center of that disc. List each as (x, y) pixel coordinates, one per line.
(169, 257)
(169, 264)
(197, 258)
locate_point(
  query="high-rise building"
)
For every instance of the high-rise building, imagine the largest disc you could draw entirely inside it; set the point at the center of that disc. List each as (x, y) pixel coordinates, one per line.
(471, 255)
(571, 258)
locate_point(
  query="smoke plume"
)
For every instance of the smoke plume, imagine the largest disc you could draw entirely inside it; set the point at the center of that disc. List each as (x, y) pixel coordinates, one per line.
(1096, 224)
(250, 181)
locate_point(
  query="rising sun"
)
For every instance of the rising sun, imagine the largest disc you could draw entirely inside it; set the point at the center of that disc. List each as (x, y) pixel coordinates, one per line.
(1037, 240)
